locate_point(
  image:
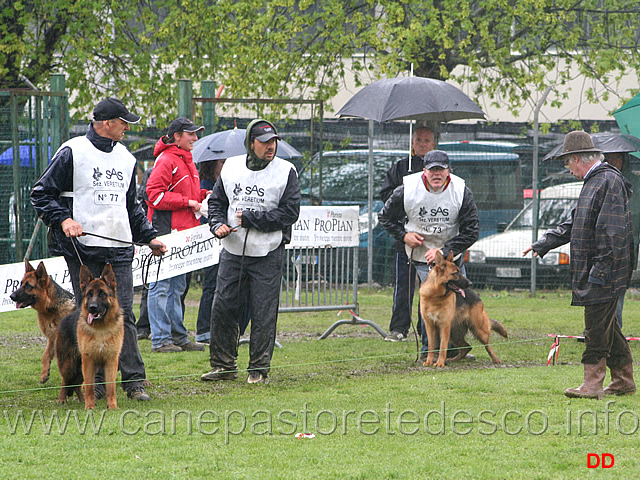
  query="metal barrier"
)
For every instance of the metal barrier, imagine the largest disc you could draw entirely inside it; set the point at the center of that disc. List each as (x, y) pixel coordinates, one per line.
(317, 279)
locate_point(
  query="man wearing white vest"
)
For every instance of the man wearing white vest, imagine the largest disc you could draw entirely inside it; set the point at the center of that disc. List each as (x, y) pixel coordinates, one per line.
(89, 188)
(253, 205)
(432, 211)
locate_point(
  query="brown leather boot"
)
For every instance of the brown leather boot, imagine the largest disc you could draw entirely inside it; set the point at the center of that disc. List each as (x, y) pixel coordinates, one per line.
(621, 381)
(592, 385)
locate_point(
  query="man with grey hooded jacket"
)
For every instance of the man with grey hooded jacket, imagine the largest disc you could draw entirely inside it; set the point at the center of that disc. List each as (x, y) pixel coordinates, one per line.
(252, 207)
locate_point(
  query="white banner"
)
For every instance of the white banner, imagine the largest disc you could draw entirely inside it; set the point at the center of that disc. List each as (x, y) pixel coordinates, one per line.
(197, 248)
(326, 227)
(187, 251)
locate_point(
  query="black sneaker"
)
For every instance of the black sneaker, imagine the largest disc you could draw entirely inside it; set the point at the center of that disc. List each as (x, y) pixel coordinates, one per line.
(256, 377)
(219, 374)
(144, 335)
(395, 337)
(192, 347)
(138, 394)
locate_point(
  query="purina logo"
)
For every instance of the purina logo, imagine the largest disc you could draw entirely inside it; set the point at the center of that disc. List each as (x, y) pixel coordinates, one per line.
(97, 174)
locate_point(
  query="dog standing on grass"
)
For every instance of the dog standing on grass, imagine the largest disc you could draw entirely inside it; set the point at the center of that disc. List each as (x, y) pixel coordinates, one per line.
(449, 307)
(52, 303)
(90, 338)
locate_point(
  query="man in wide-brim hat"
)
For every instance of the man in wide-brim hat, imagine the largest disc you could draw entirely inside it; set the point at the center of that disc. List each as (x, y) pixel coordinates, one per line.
(601, 237)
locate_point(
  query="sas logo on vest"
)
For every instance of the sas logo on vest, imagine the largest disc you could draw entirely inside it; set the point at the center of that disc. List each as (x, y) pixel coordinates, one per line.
(254, 189)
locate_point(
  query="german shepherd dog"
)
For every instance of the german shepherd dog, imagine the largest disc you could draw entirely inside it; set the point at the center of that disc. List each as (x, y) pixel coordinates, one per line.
(90, 338)
(52, 303)
(450, 307)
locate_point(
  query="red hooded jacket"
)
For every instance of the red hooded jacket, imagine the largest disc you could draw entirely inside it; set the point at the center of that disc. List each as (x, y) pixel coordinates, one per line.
(173, 182)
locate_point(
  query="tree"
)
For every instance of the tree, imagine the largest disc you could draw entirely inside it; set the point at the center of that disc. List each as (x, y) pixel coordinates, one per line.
(137, 49)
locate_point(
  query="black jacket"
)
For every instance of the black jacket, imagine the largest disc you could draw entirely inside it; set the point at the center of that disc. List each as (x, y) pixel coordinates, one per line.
(54, 209)
(397, 172)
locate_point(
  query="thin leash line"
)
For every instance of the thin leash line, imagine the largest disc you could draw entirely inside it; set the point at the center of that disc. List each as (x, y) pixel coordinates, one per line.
(280, 367)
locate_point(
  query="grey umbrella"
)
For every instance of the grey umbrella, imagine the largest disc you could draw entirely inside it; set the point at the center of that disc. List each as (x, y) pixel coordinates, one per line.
(411, 98)
(607, 142)
(407, 98)
(229, 143)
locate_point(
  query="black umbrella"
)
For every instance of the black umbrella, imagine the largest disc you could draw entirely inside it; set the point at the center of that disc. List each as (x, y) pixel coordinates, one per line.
(229, 143)
(607, 142)
(411, 98)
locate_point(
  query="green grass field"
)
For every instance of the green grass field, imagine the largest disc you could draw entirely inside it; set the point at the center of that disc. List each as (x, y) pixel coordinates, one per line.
(375, 413)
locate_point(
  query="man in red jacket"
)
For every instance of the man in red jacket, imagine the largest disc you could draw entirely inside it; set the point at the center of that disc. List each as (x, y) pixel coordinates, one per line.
(174, 196)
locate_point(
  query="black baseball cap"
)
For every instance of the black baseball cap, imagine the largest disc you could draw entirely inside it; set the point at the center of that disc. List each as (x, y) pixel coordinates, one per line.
(263, 131)
(111, 108)
(436, 158)
(182, 125)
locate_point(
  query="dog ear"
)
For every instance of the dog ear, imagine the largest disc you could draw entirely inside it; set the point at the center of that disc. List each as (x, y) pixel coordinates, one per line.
(439, 258)
(41, 274)
(108, 276)
(450, 256)
(86, 277)
(28, 267)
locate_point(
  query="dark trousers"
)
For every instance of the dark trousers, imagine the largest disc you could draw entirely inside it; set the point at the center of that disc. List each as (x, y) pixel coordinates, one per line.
(603, 336)
(203, 325)
(403, 294)
(131, 365)
(259, 290)
(143, 321)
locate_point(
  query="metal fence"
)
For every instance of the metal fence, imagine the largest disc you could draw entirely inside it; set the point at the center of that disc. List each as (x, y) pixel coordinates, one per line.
(322, 279)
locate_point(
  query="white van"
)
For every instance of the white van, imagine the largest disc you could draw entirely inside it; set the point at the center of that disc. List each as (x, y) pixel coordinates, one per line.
(497, 261)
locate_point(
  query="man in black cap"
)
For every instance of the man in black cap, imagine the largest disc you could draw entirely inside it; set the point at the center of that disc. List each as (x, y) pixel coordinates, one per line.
(602, 260)
(252, 207)
(433, 210)
(89, 188)
(422, 142)
(174, 200)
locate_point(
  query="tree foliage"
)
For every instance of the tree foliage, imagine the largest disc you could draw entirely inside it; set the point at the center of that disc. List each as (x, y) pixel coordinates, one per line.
(138, 49)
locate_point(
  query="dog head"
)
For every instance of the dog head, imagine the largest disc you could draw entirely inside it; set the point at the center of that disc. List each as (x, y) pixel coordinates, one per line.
(34, 279)
(450, 274)
(100, 294)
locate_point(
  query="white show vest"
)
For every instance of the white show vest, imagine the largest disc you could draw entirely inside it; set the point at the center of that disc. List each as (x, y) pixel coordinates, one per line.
(259, 190)
(100, 184)
(432, 215)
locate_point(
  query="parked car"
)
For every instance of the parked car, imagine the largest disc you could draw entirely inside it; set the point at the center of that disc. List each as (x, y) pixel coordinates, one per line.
(497, 261)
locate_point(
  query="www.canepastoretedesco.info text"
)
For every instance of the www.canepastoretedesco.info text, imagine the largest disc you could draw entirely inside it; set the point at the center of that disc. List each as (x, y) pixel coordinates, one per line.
(603, 419)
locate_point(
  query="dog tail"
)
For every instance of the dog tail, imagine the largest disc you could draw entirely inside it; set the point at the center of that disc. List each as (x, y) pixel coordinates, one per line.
(496, 326)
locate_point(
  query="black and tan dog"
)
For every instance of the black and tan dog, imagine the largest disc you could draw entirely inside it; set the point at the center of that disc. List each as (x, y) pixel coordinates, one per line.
(52, 303)
(90, 338)
(449, 307)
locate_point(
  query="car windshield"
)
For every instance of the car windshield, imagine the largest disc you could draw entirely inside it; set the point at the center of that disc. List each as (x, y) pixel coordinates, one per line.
(345, 175)
(553, 211)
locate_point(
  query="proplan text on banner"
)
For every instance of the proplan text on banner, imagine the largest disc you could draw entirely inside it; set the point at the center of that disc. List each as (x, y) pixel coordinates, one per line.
(326, 227)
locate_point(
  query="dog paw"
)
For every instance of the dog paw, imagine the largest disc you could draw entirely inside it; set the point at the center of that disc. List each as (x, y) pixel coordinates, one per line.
(440, 364)
(427, 363)
(89, 406)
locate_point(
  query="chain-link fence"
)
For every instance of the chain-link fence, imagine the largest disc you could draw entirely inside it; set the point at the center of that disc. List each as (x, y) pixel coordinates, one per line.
(32, 126)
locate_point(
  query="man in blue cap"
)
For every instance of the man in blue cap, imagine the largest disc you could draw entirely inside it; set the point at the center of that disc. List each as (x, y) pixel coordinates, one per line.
(433, 210)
